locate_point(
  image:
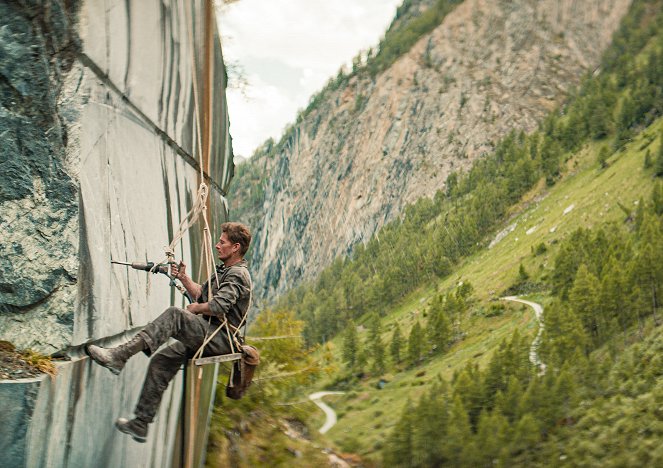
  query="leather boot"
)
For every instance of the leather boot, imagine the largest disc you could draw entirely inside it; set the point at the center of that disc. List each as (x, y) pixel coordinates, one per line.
(114, 359)
(136, 428)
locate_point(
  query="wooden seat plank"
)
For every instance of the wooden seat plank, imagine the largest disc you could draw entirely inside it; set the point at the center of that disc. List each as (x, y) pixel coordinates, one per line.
(221, 358)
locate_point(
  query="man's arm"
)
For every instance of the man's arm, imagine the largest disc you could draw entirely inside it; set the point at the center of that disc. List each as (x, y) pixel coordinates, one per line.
(179, 272)
(199, 308)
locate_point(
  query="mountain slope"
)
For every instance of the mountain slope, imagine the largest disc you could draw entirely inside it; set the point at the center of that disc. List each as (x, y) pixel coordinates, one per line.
(365, 149)
(587, 196)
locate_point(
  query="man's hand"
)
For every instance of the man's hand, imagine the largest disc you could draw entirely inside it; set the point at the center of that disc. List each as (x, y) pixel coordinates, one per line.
(198, 309)
(177, 270)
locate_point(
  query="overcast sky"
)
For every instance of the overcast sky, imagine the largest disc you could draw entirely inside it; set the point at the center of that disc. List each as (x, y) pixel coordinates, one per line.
(287, 50)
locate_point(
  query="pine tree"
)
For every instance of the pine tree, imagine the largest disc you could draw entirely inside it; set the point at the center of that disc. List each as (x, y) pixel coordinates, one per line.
(525, 435)
(563, 335)
(611, 298)
(459, 434)
(439, 328)
(507, 403)
(583, 300)
(647, 162)
(492, 435)
(648, 265)
(639, 306)
(657, 198)
(396, 345)
(350, 345)
(376, 345)
(468, 387)
(432, 416)
(398, 449)
(362, 356)
(658, 164)
(415, 345)
(639, 214)
(565, 394)
(602, 157)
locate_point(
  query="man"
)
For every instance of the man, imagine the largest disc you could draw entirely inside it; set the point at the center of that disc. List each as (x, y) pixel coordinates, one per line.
(229, 298)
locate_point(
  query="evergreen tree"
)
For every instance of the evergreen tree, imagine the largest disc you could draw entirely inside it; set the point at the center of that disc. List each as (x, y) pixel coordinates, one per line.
(459, 435)
(376, 345)
(398, 449)
(468, 387)
(583, 299)
(415, 344)
(362, 356)
(432, 416)
(602, 157)
(648, 264)
(439, 328)
(612, 295)
(657, 198)
(350, 345)
(493, 434)
(639, 306)
(639, 214)
(565, 394)
(525, 435)
(562, 336)
(648, 162)
(396, 345)
(658, 164)
(507, 403)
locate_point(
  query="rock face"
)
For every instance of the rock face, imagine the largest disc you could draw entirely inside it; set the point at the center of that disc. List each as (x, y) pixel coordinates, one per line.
(39, 190)
(370, 148)
(100, 161)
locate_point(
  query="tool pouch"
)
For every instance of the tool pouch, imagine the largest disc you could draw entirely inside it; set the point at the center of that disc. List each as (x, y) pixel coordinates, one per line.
(242, 372)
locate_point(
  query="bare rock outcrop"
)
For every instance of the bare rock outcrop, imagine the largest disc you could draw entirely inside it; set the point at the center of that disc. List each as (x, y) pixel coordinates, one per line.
(370, 148)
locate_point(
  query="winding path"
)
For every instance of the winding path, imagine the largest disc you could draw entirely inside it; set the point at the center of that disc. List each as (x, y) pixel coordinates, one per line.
(533, 350)
(330, 413)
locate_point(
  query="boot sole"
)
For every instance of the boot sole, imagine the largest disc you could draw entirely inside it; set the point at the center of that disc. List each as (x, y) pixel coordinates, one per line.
(114, 370)
(135, 436)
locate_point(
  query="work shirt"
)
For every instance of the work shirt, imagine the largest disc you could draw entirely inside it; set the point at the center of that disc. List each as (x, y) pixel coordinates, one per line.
(231, 297)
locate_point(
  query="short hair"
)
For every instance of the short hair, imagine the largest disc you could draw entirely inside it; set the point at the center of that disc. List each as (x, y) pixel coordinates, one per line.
(238, 233)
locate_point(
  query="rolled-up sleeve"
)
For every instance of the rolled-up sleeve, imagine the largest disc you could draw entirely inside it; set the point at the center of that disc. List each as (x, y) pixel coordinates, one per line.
(229, 292)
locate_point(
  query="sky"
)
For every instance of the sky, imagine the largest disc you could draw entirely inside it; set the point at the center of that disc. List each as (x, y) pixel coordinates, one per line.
(286, 50)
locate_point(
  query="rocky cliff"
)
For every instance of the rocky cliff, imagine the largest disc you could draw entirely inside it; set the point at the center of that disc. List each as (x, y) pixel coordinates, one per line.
(364, 150)
(99, 162)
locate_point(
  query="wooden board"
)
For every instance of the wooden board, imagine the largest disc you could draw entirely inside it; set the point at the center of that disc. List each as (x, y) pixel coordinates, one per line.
(221, 358)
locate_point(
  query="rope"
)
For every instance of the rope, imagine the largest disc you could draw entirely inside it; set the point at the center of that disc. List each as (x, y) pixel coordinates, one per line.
(199, 207)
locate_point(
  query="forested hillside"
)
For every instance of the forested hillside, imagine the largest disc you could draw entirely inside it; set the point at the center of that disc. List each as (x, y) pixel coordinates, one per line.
(597, 402)
(437, 371)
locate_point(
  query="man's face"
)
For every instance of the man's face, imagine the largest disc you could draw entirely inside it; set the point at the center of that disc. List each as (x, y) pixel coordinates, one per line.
(226, 248)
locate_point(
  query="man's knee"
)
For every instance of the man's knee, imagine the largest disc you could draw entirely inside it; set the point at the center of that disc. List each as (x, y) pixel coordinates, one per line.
(173, 310)
(170, 358)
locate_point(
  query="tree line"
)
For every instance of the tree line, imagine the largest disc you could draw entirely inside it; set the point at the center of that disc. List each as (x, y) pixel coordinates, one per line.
(606, 288)
(433, 234)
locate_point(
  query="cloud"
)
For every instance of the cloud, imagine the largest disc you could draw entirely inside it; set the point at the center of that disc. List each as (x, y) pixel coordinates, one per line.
(288, 50)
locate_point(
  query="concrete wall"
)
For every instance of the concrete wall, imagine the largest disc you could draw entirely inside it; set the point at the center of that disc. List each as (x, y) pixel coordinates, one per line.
(98, 162)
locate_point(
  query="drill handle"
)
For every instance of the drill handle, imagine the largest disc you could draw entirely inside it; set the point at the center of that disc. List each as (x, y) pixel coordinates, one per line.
(148, 267)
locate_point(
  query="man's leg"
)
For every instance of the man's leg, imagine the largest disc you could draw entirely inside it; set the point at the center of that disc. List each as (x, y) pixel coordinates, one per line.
(191, 331)
(163, 367)
(165, 364)
(173, 322)
(176, 323)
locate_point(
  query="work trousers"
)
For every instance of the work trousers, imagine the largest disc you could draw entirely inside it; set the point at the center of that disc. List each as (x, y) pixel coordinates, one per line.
(190, 331)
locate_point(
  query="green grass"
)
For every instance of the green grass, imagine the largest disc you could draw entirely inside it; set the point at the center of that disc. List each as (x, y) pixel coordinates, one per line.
(366, 413)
